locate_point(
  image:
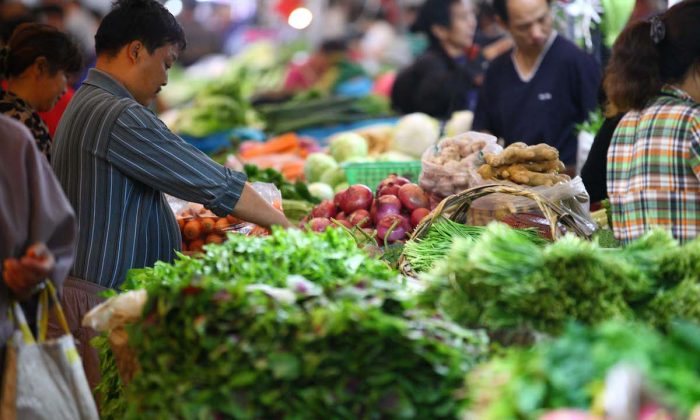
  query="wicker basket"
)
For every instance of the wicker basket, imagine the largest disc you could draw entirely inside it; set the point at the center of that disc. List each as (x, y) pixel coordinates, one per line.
(456, 208)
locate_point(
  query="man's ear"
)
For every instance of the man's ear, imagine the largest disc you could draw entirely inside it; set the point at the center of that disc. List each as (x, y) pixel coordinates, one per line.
(133, 50)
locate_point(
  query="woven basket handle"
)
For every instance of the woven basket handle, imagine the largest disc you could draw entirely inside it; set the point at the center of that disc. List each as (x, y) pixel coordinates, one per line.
(459, 204)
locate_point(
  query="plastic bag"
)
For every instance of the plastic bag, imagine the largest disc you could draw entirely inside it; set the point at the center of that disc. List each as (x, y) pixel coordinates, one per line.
(571, 196)
(199, 226)
(116, 311)
(452, 166)
(44, 379)
(111, 317)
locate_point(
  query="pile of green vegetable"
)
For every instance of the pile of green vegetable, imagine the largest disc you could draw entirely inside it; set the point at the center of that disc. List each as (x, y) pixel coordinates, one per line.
(424, 253)
(570, 371)
(295, 325)
(304, 113)
(503, 280)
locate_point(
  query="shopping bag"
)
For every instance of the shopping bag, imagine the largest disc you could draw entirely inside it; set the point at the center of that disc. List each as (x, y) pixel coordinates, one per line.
(44, 379)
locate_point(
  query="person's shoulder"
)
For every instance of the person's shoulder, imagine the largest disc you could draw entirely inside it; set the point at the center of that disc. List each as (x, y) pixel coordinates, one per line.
(501, 63)
(430, 59)
(15, 136)
(567, 51)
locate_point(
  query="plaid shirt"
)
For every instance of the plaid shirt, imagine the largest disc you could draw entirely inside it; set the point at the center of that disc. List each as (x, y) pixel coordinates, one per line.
(653, 168)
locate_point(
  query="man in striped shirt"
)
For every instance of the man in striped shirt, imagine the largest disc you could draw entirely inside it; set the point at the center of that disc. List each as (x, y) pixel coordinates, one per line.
(115, 159)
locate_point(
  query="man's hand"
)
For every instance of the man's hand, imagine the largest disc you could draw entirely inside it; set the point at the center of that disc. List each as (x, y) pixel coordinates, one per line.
(23, 274)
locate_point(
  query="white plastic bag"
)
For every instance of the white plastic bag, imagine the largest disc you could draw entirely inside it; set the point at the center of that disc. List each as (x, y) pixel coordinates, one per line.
(44, 379)
(452, 167)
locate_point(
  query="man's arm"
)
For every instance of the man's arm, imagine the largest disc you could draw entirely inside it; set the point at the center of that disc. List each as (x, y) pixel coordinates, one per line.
(144, 149)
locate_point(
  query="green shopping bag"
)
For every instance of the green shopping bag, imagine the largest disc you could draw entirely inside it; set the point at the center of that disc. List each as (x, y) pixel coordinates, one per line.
(44, 379)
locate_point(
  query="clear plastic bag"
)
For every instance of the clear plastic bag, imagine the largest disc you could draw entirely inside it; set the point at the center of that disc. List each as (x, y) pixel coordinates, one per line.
(199, 226)
(451, 167)
(571, 196)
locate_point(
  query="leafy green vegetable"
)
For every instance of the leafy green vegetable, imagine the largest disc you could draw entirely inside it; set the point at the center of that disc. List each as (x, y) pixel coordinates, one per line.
(295, 325)
(504, 281)
(570, 371)
(423, 253)
(593, 123)
(290, 191)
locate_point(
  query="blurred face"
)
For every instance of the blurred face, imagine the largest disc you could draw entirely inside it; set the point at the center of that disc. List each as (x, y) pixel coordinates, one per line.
(462, 25)
(530, 24)
(151, 71)
(47, 87)
(52, 88)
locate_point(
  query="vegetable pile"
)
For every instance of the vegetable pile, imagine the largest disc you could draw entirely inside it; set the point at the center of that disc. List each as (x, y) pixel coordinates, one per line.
(296, 115)
(503, 280)
(292, 325)
(450, 168)
(569, 371)
(526, 165)
(424, 253)
(391, 216)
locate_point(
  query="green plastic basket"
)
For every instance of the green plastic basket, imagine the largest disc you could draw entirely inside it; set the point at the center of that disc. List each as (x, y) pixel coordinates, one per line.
(372, 173)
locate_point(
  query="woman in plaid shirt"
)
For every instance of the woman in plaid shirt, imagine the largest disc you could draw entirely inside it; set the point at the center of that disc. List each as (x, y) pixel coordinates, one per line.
(653, 171)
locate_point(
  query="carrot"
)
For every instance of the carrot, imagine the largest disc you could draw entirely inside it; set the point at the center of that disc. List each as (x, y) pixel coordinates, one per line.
(285, 143)
(292, 171)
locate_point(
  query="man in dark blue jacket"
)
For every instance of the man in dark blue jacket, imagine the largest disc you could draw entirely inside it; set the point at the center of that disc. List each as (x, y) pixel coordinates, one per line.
(540, 90)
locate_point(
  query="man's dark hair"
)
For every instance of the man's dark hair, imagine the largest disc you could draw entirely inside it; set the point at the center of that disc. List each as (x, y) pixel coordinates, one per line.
(434, 12)
(501, 8)
(138, 20)
(332, 46)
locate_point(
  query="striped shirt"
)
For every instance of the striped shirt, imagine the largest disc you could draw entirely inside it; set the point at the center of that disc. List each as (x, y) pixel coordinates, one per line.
(115, 159)
(653, 168)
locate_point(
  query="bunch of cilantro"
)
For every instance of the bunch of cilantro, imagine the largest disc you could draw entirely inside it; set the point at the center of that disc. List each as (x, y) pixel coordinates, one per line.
(295, 325)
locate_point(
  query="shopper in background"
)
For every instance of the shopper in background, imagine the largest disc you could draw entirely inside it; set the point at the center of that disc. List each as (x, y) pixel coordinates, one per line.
(36, 63)
(540, 90)
(314, 70)
(37, 224)
(654, 158)
(438, 82)
(115, 160)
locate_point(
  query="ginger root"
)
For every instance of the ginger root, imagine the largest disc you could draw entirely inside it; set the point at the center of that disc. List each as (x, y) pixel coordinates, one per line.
(521, 175)
(521, 153)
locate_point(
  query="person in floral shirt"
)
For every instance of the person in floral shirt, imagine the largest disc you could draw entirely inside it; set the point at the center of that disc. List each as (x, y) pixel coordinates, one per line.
(35, 65)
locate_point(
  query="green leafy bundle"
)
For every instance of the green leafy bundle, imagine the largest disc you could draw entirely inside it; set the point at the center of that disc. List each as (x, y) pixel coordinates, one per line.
(504, 281)
(326, 259)
(424, 253)
(260, 352)
(295, 325)
(569, 372)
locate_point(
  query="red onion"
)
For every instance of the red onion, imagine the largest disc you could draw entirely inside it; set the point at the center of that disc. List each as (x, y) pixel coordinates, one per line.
(360, 218)
(396, 227)
(418, 215)
(391, 189)
(341, 216)
(357, 197)
(326, 209)
(344, 223)
(319, 224)
(339, 197)
(387, 205)
(412, 197)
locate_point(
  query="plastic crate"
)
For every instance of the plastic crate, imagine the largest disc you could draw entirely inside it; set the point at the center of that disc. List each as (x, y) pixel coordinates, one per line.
(372, 173)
